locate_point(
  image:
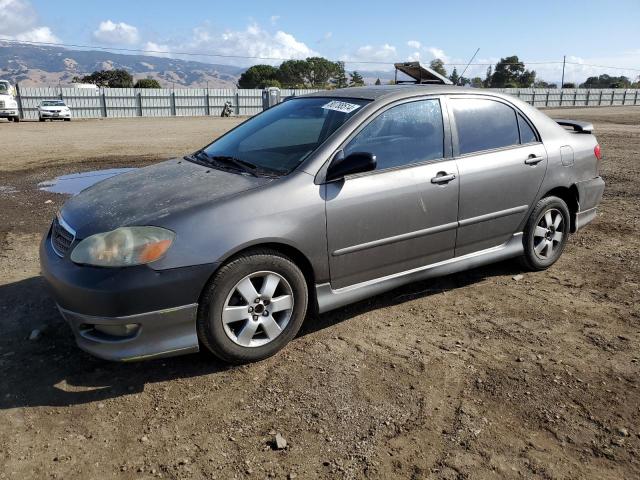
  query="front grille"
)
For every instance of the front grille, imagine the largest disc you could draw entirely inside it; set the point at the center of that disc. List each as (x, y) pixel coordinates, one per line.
(61, 238)
(1, 103)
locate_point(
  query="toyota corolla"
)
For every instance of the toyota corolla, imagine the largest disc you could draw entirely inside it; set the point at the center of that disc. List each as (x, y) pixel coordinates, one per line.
(318, 202)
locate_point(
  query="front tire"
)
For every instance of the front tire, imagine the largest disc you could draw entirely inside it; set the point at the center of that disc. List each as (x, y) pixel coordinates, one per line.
(252, 307)
(546, 234)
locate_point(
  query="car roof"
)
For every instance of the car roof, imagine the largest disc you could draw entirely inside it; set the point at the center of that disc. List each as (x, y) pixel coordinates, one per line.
(391, 93)
(397, 91)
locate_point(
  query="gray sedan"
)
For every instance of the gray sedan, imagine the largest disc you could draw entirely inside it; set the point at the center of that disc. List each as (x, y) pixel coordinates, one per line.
(316, 203)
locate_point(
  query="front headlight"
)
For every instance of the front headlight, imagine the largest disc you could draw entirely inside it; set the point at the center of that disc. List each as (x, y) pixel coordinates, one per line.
(124, 247)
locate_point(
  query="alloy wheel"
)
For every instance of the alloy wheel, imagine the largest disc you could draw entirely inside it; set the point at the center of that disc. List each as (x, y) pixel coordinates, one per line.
(258, 309)
(548, 234)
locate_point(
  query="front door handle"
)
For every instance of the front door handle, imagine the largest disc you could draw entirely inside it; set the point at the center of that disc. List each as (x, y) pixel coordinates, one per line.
(533, 160)
(443, 177)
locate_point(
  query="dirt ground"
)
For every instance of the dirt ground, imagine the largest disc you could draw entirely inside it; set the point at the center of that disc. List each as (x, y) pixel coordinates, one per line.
(475, 375)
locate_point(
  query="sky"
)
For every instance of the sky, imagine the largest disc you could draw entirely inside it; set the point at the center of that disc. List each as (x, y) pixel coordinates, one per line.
(589, 32)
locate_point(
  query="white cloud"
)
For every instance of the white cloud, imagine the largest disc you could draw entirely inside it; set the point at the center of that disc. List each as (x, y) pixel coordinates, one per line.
(274, 19)
(384, 57)
(254, 41)
(19, 21)
(156, 49)
(38, 34)
(116, 33)
(414, 44)
(436, 52)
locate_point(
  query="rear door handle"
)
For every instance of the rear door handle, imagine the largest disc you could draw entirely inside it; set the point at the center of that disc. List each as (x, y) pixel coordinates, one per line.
(443, 177)
(533, 160)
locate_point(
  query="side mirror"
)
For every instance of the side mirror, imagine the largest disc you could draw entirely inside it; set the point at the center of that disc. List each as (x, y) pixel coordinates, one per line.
(357, 162)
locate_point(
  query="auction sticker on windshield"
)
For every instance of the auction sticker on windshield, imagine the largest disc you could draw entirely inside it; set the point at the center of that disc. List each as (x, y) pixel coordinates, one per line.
(339, 106)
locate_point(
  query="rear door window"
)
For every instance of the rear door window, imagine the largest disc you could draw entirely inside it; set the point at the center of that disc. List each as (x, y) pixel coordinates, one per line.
(484, 124)
(408, 133)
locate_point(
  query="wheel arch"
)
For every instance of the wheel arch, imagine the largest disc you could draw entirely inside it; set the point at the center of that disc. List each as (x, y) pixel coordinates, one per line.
(570, 196)
(296, 256)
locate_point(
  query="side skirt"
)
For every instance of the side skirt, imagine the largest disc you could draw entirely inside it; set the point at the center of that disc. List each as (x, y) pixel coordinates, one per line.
(329, 299)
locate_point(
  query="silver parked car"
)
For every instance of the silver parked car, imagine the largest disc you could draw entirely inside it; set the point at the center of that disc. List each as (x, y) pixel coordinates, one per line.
(53, 110)
(318, 202)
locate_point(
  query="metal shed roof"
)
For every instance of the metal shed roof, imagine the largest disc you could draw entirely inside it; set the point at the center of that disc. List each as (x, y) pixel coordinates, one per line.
(421, 74)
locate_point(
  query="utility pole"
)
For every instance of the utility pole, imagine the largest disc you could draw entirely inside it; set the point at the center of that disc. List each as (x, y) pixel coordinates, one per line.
(564, 60)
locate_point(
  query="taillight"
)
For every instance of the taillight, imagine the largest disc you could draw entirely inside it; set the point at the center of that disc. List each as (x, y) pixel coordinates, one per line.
(598, 152)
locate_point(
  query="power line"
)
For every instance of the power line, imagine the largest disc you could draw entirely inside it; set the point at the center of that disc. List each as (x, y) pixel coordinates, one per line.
(255, 57)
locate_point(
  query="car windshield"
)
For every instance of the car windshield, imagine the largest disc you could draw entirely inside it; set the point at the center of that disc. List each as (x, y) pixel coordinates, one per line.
(53, 103)
(279, 139)
(4, 88)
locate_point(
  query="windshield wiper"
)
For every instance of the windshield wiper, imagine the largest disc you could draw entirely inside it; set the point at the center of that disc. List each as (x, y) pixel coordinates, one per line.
(222, 161)
(236, 162)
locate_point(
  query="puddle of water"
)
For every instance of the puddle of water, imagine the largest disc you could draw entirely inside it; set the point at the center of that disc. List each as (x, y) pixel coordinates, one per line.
(76, 182)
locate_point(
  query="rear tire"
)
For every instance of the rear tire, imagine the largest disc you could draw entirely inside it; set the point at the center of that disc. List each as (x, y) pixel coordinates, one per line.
(545, 234)
(238, 328)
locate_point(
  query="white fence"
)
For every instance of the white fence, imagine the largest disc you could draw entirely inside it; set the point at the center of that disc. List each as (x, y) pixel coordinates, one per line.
(575, 97)
(130, 102)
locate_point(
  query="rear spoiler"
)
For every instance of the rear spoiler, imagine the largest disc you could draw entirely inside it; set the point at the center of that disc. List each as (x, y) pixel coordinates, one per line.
(580, 127)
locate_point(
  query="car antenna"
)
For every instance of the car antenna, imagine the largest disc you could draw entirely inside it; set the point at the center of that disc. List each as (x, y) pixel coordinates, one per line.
(465, 68)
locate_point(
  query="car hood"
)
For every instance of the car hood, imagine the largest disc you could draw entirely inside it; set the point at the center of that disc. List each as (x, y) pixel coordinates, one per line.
(54, 109)
(148, 195)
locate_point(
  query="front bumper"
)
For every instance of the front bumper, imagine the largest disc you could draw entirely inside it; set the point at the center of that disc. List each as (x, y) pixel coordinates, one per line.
(159, 306)
(44, 114)
(589, 197)
(8, 113)
(162, 333)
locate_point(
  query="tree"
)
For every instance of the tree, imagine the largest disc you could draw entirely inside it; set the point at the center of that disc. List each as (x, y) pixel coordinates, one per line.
(271, 83)
(319, 71)
(511, 72)
(147, 83)
(438, 66)
(356, 80)
(378, 82)
(292, 73)
(258, 76)
(340, 79)
(314, 72)
(117, 78)
(487, 79)
(476, 82)
(606, 81)
(568, 85)
(455, 78)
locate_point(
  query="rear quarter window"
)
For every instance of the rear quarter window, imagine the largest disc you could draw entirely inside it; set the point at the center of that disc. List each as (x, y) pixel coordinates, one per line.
(484, 124)
(527, 135)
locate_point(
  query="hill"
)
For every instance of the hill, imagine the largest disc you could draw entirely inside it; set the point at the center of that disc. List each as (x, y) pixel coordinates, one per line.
(33, 65)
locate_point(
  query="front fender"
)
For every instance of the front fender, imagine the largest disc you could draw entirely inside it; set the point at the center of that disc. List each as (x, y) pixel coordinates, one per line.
(289, 212)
